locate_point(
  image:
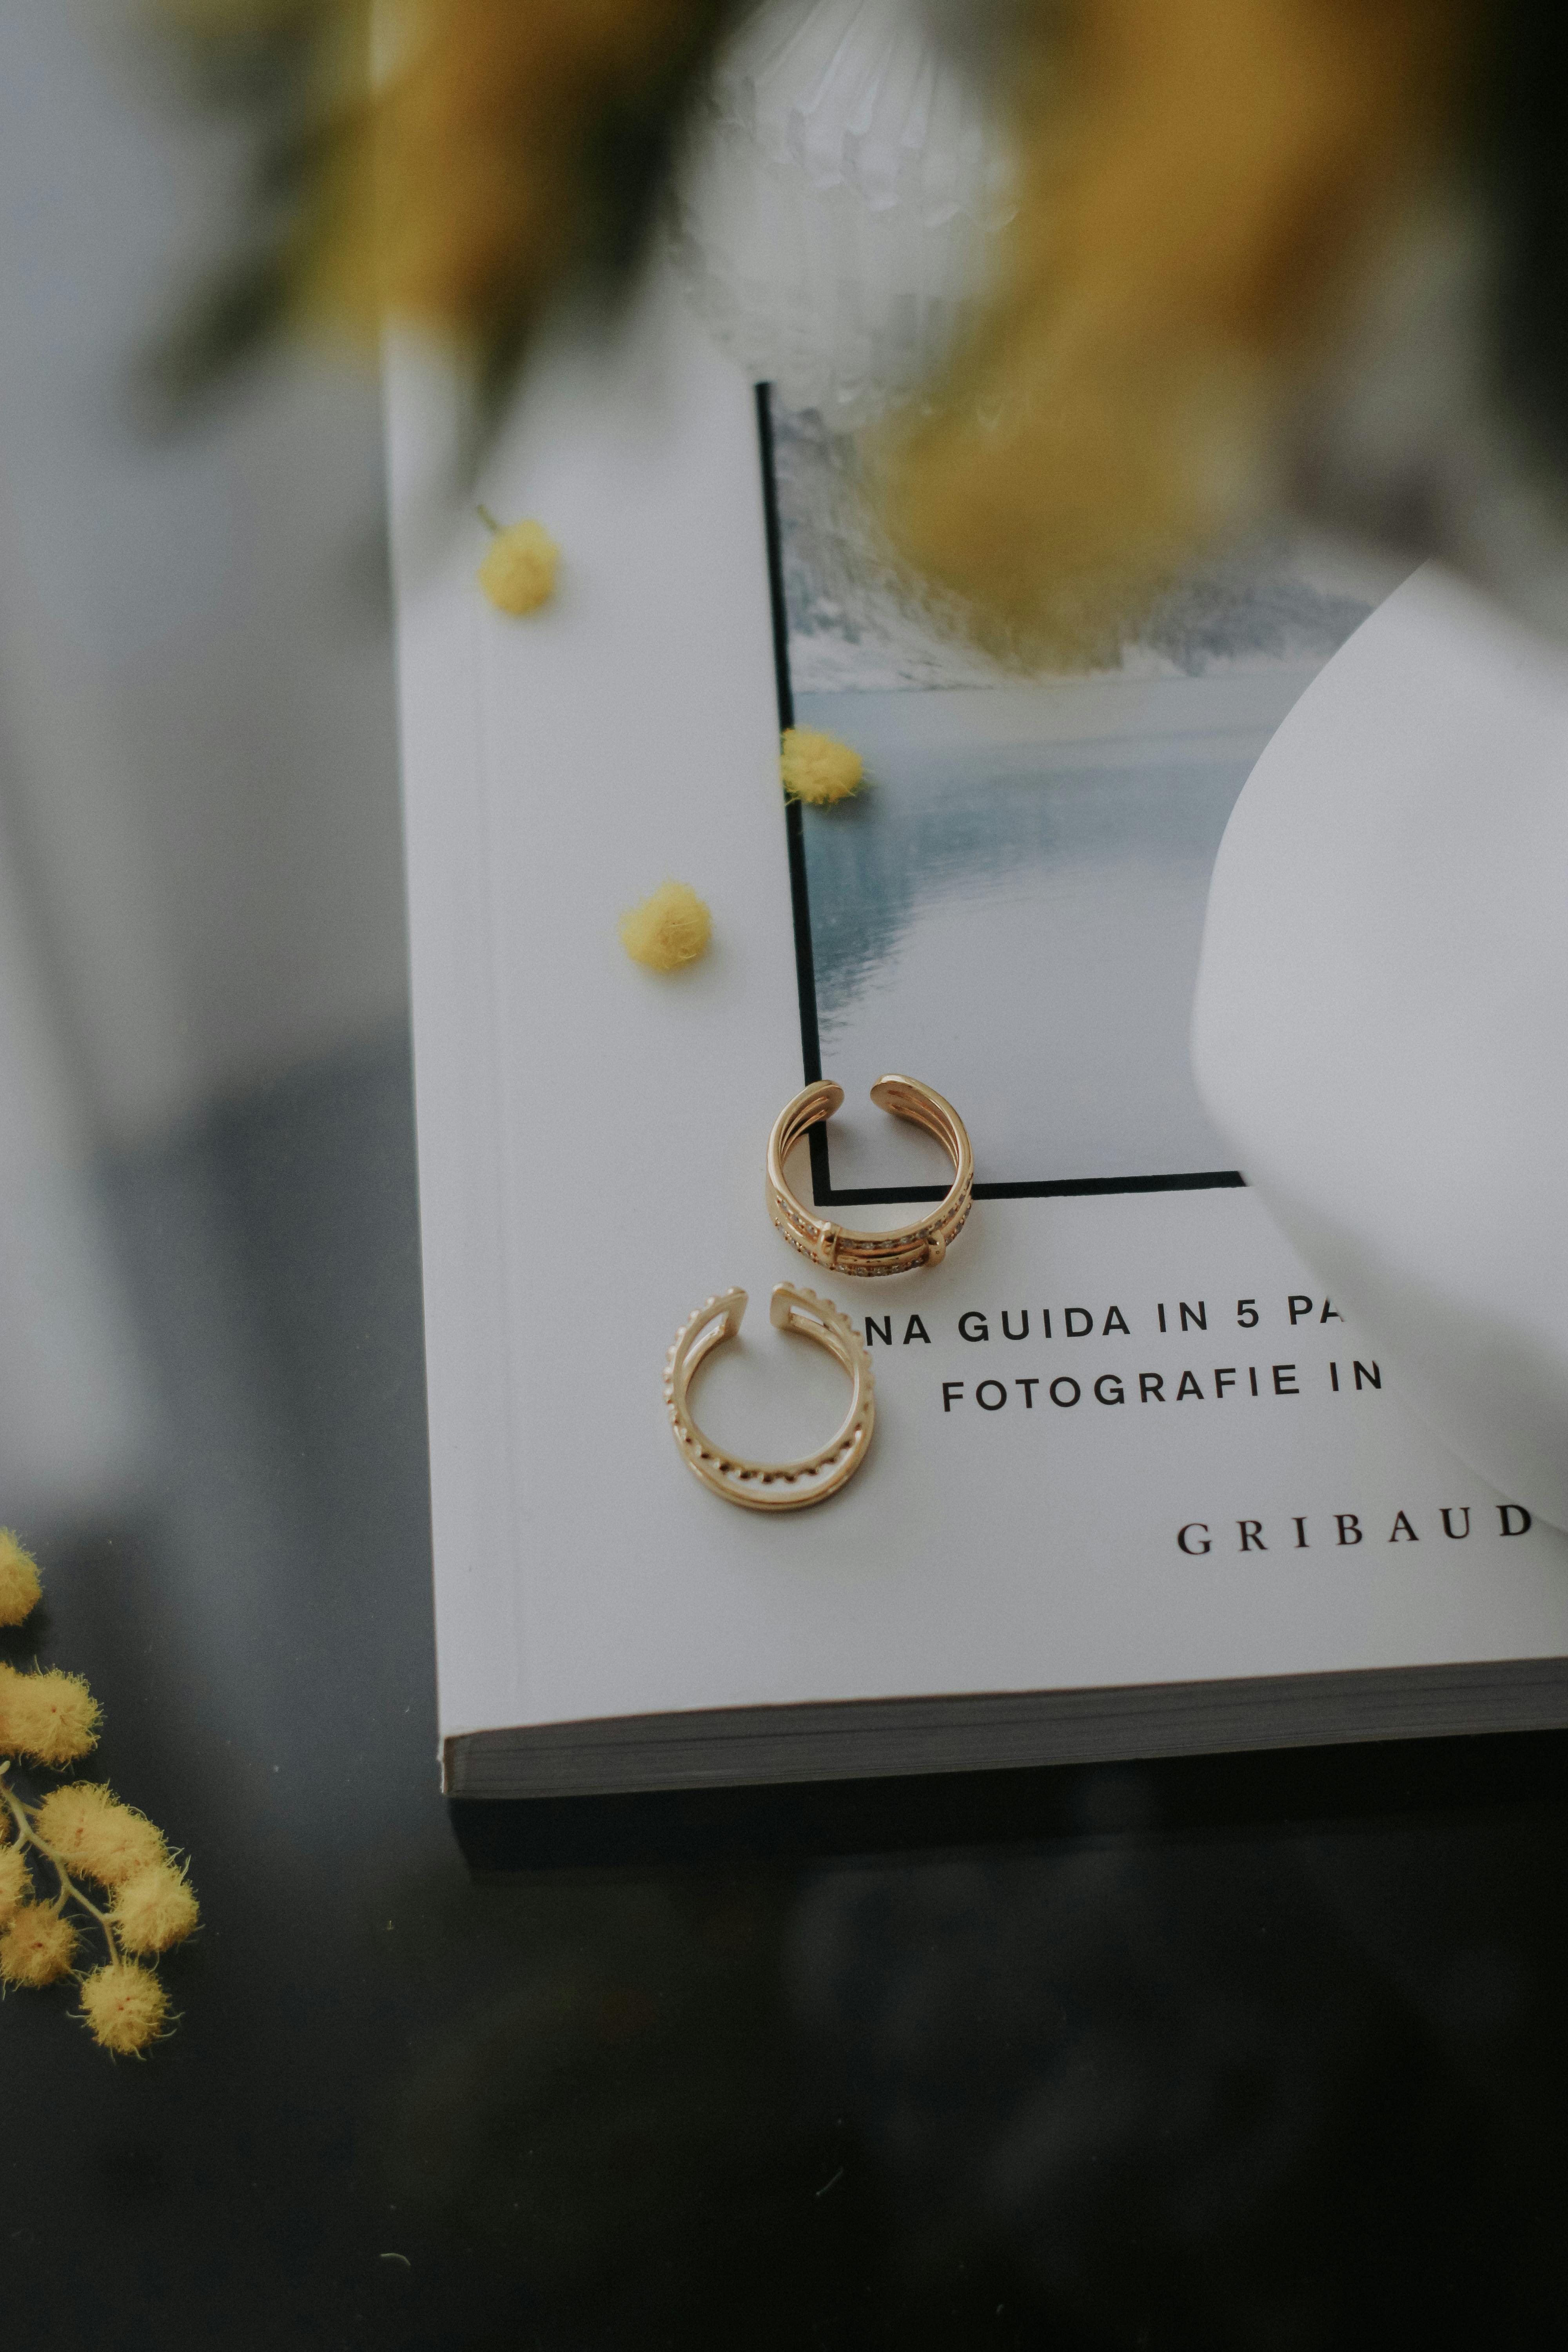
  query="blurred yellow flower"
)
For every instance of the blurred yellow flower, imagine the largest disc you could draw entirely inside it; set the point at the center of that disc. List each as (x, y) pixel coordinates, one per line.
(52, 1717)
(1202, 186)
(15, 1883)
(124, 2007)
(155, 1909)
(78, 1832)
(93, 1833)
(20, 1591)
(37, 1946)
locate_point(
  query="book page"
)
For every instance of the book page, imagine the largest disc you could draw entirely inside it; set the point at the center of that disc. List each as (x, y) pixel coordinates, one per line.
(1122, 1437)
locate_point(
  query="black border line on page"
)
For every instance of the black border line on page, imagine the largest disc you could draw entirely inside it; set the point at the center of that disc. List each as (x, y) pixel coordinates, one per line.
(825, 1193)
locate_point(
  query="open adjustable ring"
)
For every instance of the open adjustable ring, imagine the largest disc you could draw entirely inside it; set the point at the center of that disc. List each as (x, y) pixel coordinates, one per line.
(772, 1486)
(829, 1245)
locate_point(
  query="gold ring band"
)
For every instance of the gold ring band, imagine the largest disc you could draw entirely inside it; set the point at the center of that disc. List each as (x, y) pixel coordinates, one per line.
(772, 1486)
(831, 1245)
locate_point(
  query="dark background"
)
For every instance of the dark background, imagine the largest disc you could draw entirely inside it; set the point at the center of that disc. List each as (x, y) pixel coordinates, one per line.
(1248, 2052)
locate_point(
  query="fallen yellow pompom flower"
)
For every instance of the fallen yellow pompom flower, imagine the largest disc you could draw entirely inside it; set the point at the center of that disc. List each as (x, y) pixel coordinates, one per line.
(37, 1946)
(155, 1910)
(124, 2007)
(98, 1837)
(52, 1717)
(15, 1883)
(20, 1591)
(818, 768)
(669, 930)
(518, 575)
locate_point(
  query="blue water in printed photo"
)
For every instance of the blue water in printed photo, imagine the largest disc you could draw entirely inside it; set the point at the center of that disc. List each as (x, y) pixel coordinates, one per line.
(1015, 916)
(1012, 909)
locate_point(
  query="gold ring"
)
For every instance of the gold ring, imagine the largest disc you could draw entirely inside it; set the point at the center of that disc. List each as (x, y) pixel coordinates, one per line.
(772, 1486)
(829, 1245)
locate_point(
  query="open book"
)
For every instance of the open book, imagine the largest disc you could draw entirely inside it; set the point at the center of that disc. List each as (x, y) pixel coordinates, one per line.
(1137, 1487)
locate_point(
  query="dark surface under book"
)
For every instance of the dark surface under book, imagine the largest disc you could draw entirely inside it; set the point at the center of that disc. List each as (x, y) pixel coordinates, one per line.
(1312, 1790)
(721, 1746)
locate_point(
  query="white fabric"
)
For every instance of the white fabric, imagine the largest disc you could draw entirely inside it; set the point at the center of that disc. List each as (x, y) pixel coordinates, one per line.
(1380, 1023)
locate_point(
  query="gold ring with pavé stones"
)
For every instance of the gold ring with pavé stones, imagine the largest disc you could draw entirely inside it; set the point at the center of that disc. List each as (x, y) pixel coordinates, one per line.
(772, 1486)
(829, 1245)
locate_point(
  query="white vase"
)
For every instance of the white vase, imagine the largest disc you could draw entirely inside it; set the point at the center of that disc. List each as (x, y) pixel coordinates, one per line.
(1381, 1022)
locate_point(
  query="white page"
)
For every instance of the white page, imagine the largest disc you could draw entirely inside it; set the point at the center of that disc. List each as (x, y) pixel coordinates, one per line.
(591, 1145)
